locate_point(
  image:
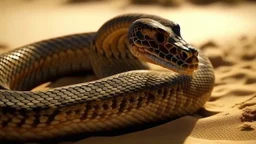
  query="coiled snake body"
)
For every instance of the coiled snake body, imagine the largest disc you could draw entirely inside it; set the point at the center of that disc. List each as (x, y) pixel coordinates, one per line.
(126, 93)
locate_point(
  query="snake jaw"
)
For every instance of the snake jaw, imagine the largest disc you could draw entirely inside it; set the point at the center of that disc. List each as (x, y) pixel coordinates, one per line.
(145, 55)
(167, 64)
(176, 62)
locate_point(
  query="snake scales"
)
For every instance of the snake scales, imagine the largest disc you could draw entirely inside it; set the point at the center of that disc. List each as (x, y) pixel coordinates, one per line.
(124, 95)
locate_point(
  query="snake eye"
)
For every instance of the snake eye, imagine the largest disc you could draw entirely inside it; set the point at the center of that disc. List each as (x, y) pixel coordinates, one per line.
(160, 37)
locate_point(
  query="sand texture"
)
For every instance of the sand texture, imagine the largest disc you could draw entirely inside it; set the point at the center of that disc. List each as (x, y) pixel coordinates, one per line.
(226, 34)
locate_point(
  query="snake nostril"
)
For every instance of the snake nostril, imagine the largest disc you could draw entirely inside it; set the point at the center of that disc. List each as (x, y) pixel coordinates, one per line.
(194, 51)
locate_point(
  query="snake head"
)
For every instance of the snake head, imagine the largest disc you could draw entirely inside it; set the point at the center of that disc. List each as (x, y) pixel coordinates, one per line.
(163, 45)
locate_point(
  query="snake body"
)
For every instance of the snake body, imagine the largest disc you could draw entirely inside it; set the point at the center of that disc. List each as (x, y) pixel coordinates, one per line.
(126, 92)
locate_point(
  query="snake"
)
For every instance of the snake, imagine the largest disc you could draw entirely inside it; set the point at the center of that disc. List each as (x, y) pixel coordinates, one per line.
(126, 92)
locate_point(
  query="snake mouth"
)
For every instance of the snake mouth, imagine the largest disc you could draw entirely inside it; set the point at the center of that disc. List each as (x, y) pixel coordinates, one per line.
(174, 67)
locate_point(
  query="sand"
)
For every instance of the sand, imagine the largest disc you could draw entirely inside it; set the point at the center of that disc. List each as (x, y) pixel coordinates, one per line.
(226, 34)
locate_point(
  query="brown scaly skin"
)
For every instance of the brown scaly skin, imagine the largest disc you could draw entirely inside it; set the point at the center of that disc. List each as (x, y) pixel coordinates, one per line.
(130, 97)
